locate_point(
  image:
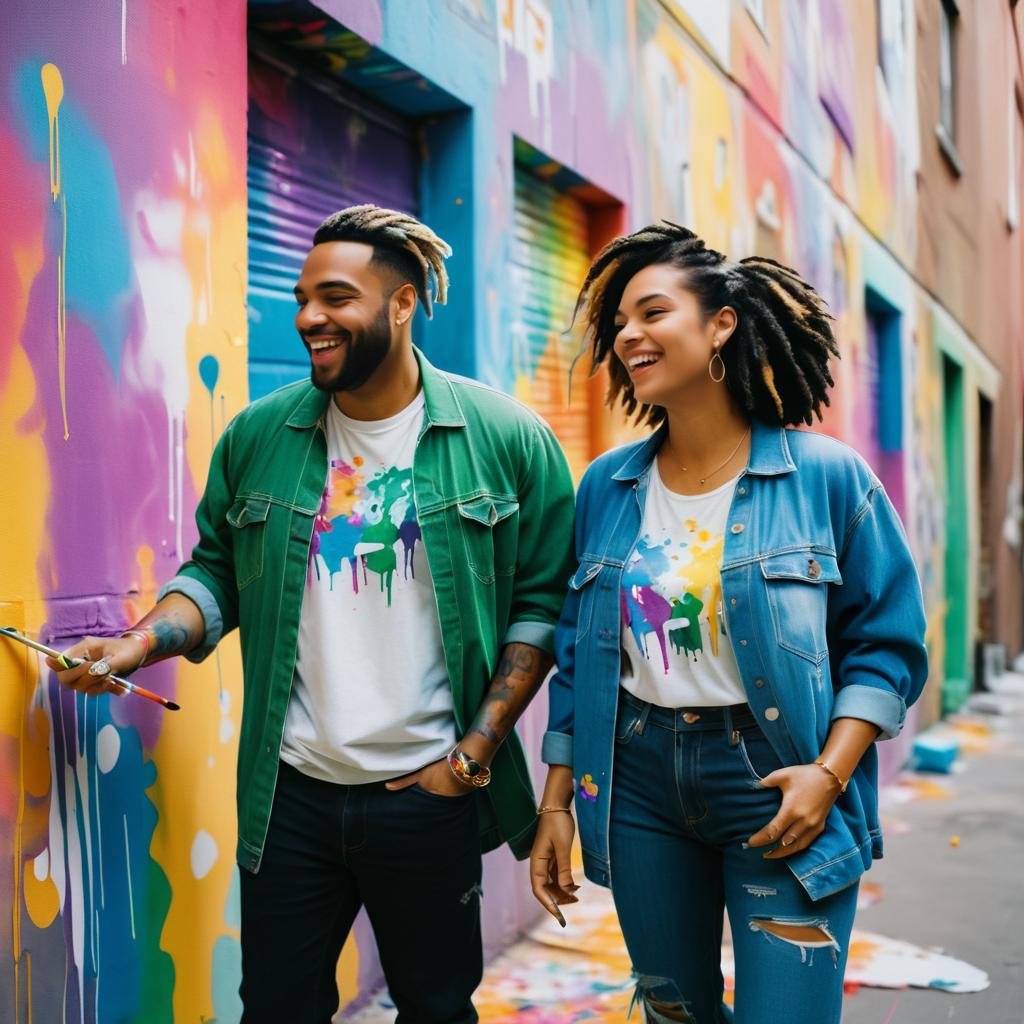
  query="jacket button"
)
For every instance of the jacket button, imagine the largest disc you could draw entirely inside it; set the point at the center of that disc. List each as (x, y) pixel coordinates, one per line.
(741, 491)
(743, 643)
(813, 569)
(732, 601)
(771, 714)
(759, 683)
(737, 527)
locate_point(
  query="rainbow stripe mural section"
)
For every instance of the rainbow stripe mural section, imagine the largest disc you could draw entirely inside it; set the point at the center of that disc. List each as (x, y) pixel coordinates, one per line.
(122, 353)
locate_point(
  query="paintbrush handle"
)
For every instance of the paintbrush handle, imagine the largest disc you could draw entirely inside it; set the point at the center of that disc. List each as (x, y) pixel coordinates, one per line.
(66, 662)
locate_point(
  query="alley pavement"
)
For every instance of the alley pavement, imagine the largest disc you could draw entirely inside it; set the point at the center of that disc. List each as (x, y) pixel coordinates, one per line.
(950, 882)
(953, 877)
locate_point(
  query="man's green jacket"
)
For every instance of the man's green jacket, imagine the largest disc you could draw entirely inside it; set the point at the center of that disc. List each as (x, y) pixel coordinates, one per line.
(494, 500)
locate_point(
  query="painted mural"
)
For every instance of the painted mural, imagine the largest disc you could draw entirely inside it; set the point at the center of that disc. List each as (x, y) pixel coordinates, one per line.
(123, 353)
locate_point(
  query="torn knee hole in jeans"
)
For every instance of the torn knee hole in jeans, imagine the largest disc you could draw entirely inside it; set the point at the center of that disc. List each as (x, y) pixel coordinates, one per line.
(806, 934)
(659, 1000)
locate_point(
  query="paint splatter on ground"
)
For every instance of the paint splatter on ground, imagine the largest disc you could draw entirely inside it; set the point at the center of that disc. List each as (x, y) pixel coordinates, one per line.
(583, 973)
(870, 893)
(880, 962)
(914, 786)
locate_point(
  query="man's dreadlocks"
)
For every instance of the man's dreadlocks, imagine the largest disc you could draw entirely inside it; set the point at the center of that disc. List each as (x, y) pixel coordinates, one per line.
(777, 358)
(400, 242)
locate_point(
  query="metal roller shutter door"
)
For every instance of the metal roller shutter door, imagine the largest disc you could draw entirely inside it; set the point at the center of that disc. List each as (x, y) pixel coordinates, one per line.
(550, 257)
(313, 149)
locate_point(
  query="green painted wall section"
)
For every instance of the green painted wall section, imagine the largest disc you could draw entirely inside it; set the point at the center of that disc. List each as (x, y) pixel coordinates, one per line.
(957, 682)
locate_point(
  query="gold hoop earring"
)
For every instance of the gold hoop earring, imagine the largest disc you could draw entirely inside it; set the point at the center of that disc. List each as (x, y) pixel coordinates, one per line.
(711, 368)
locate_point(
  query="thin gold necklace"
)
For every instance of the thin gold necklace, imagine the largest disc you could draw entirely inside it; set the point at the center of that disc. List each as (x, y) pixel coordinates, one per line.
(721, 465)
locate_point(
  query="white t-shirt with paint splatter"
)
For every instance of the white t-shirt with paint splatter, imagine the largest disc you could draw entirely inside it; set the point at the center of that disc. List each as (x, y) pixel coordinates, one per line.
(371, 698)
(674, 630)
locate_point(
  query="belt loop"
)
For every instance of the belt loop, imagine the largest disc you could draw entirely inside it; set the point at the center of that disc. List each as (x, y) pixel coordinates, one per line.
(730, 730)
(642, 720)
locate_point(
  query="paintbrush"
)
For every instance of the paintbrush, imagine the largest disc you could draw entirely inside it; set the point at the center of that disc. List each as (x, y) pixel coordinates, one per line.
(65, 662)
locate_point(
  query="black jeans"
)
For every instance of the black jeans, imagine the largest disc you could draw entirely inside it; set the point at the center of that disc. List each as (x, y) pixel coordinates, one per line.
(412, 858)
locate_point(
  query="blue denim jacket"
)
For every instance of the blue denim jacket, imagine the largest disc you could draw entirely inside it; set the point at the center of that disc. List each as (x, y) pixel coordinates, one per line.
(824, 610)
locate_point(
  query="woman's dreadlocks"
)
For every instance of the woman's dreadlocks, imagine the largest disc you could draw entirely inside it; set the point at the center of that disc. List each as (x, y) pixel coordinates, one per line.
(399, 241)
(777, 358)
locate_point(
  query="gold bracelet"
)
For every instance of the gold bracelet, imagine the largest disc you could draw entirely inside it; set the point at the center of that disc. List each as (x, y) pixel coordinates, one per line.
(833, 773)
(468, 771)
(548, 810)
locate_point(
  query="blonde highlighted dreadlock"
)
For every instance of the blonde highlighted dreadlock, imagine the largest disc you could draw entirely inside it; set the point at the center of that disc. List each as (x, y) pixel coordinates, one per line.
(399, 241)
(777, 358)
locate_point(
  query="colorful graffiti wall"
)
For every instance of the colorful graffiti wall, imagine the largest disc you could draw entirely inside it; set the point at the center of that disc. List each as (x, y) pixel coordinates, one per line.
(124, 351)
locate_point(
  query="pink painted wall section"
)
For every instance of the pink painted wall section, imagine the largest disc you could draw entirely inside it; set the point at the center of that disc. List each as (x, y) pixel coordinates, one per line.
(122, 353)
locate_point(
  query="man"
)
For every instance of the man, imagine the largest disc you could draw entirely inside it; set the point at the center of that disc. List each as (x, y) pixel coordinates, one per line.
(392, 543)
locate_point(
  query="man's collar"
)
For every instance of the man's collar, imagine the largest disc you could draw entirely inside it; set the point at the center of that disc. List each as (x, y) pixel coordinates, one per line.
(440, 403)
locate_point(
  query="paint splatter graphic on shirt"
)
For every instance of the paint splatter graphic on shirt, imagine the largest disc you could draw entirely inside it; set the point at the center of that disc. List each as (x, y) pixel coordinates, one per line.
(672, 590)
(588, 788)
(364, 521)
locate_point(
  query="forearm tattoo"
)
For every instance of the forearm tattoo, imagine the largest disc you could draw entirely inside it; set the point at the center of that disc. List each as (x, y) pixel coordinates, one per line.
(172, 635)
(520, 673)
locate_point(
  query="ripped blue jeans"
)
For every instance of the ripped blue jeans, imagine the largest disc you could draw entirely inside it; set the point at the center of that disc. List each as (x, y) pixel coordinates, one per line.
(685, 797)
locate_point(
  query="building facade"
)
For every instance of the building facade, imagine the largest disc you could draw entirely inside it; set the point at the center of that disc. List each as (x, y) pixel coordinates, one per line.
(164, 163)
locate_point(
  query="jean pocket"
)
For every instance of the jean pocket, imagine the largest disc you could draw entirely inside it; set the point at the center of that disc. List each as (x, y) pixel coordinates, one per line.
(758, 755)
(443, 797)
(626, 725)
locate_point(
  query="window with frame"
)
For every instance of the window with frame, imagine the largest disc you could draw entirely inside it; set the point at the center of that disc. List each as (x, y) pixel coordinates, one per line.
(1015, 165)
(949, 15)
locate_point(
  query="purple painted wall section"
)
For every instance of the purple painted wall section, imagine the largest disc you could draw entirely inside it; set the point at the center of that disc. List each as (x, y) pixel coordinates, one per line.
(122, 269)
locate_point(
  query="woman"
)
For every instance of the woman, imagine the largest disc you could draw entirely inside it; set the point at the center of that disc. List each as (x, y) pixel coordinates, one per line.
(745, 623)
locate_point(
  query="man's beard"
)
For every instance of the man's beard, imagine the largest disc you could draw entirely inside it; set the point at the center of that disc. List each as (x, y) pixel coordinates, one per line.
(365, 352)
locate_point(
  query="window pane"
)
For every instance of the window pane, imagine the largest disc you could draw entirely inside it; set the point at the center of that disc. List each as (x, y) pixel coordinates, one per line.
(946, 72)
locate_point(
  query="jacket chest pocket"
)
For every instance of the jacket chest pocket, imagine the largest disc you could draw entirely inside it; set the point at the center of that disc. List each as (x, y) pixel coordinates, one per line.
(594, 590)
(490, 532)
(248, 520)
(796, 583)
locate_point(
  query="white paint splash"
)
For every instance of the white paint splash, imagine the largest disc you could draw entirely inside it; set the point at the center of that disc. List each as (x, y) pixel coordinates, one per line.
(124, 31)
(108, 747)
(204, 854)
(41, 866)
(167, 299)
(128, 873)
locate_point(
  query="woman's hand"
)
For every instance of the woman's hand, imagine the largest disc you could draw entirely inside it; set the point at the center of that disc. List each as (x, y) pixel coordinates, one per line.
(550, 863)
(808, 793)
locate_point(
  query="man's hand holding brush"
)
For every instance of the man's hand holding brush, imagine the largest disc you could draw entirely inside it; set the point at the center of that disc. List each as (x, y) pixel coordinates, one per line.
(175, 626)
